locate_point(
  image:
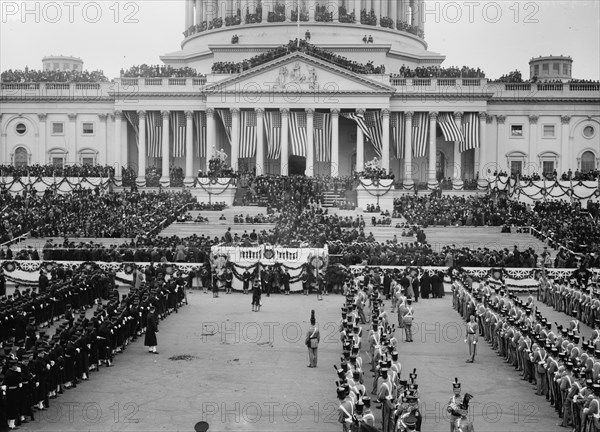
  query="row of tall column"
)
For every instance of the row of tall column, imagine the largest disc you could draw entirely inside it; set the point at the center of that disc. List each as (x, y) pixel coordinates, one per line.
(310, 155)
(409, 11)
(260, 135)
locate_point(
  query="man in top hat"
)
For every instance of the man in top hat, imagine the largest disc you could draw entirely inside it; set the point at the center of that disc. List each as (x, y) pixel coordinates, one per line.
(313, 337)
(455, 402)
(151, 330)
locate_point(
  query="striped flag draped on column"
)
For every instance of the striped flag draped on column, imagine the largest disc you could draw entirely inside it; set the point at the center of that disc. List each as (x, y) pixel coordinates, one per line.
(397, 133)
(298, 133)
(133, 119)
(470, 129)
(200, 133)
(359, 119)
(248, 134)
(322, 136)
(449, 129)
(272, 124)
(374, 125)
(154, 133)
(420, 134)
(225, 116)
(178, 127)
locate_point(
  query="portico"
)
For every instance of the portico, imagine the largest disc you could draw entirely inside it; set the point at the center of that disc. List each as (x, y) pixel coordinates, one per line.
(299, 108)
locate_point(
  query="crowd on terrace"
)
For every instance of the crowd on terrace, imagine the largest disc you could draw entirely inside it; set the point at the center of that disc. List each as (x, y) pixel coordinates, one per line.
(293, 46)
(88, 213)
(156, 71)
(31, 75)
(50, 170)
(294, 205)
(591, 175)
(440, 72)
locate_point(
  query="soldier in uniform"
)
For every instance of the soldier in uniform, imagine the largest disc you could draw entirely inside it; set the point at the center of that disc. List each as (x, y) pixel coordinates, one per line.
(313, 337)
(345, 410)
(151, 330)
(455, 402)
(472, 336)
(406, 313)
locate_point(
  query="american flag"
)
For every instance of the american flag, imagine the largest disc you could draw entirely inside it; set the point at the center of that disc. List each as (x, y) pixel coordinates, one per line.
(154, 133)
(178, 127)
(225, 116)
(272, 123)
(375, 127)
(298, 133)
(397, 133)
(133, 119)
(359, 119)
(322, 136)
(449, 129)
(420, 134)
(200, 133)
(470, 129)
(248, 134)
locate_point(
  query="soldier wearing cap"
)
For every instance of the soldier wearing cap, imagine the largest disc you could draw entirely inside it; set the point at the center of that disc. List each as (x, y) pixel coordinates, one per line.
(454, 403)
(472, 337)
(345, 410)
(313, 337)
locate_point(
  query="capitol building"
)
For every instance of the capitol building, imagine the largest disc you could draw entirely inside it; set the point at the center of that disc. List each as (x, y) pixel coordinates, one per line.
(322, 96)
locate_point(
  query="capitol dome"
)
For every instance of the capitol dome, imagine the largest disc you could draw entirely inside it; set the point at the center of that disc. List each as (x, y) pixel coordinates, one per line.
(389, 33)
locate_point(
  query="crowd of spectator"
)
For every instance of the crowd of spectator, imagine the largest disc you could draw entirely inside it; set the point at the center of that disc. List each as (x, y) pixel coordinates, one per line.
(50, 170)
(88, 213)
(591, 175)
(293, 46)
(451, 210)
(31, 75)
(439, 72)
(563, 223)
(159, 71)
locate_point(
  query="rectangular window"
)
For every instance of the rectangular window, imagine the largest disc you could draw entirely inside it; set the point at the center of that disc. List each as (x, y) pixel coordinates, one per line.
(87, 161)
(565, 69)
(556, 68)
(545, 68)
(57, 161)
(58, 128)
(516, 131)
(536, 70)
(56, 66)
(547, 167)
(88, 128)
(548, 131)
(516, 167)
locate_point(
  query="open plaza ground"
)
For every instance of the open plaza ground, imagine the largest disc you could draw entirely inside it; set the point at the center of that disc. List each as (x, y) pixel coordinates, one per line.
(238, 370)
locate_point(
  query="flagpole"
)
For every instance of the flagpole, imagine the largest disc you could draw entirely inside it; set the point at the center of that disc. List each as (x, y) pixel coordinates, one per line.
(298, 26)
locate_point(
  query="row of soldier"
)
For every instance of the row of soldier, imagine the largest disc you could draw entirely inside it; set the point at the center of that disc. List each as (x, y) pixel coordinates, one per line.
(37, 367)
(398, 399)
(572, 295)
(567, 374)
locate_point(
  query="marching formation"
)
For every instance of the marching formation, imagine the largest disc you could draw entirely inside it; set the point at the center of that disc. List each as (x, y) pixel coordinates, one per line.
(37, 367)
(397, 398)
(561, 368)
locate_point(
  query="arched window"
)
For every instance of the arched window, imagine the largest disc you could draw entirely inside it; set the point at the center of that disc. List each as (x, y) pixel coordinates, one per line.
(588, 161)
(21, 157)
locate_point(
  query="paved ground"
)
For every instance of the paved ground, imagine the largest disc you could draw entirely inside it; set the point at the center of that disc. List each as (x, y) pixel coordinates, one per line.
(247, 372)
